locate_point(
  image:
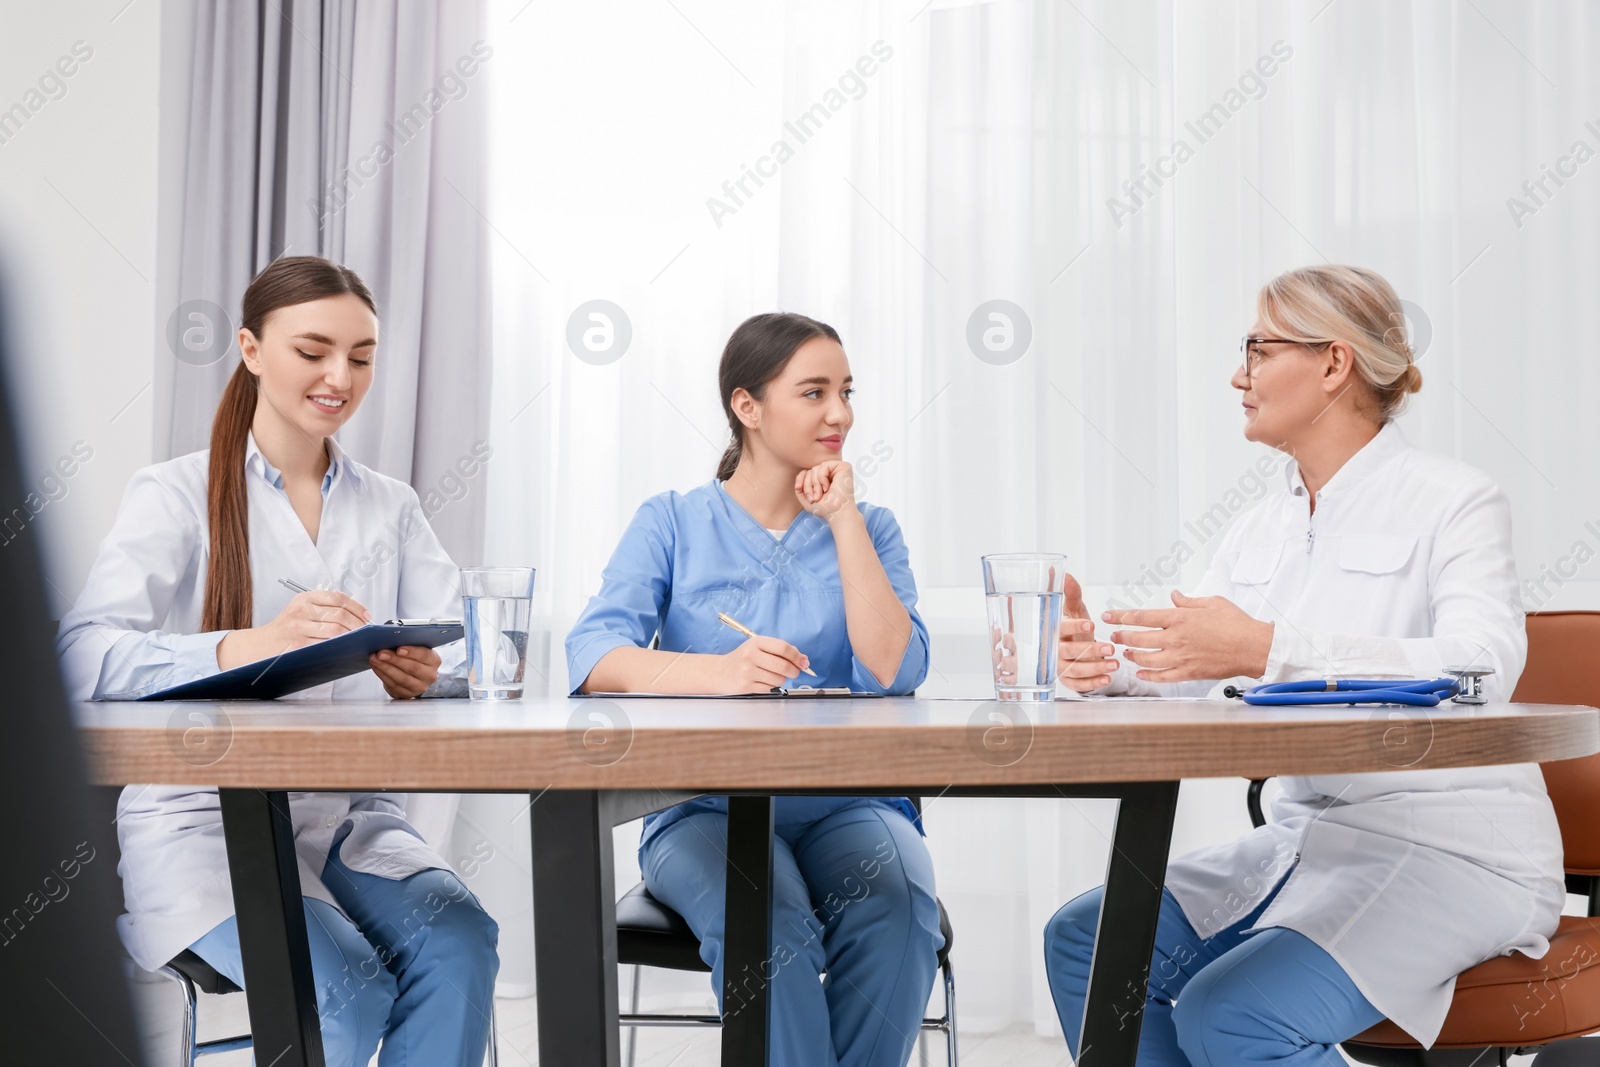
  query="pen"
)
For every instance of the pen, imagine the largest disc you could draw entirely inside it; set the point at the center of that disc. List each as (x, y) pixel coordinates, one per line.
(729, 620)
(298, 588)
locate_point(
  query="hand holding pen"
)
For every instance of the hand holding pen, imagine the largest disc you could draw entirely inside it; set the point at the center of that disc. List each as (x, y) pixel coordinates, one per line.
(762, 663)
(312, 615)
(405, 672)
(315, 614)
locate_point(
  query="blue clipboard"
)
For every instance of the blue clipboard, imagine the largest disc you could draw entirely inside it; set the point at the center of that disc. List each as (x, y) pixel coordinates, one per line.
(325, 661)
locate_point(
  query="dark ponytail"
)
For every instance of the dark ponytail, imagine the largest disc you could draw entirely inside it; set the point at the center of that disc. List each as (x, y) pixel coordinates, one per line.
(285, 282)
(757, 353)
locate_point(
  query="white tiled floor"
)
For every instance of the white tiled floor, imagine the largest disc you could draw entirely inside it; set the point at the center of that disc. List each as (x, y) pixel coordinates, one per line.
(160, 1010)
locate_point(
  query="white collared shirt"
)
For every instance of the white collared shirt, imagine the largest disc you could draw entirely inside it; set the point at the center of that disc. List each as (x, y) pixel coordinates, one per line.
(1406, 877)
(134, 628)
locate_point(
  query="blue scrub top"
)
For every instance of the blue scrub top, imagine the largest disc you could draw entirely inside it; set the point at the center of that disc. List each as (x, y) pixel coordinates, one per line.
(687, 556)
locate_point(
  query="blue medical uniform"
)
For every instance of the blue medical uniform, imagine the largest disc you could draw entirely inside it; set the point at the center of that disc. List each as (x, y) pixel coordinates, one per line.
(1208, 1003)
(853, 893)
(406, 968)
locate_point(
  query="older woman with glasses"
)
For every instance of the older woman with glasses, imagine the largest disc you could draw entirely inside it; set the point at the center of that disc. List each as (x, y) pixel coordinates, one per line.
(1367, 894)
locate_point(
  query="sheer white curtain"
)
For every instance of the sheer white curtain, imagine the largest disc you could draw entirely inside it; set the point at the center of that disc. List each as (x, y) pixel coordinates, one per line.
(977, 162)
(314, 127)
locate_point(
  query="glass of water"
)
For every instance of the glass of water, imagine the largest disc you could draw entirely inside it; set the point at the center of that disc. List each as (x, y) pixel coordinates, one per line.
(1025, 592)
(496, 610)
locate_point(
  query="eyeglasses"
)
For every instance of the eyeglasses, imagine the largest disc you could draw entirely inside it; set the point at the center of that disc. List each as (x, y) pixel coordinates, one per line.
(1252, 358)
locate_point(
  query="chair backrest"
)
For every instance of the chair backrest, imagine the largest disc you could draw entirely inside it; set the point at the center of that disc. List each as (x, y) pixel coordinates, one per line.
(1561, 669)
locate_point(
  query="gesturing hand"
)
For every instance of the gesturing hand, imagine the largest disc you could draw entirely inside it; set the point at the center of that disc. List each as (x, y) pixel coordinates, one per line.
(1082, 662)
(1003, 656)
(827, 490)
(1198, 637)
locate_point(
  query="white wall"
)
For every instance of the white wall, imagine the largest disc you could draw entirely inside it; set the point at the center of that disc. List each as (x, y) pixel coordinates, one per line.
(78, 240)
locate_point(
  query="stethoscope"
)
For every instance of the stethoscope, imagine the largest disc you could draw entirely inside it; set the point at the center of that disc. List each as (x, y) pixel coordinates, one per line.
(1464, 686)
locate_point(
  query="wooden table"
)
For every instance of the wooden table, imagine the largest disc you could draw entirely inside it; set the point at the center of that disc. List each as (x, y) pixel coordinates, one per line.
(591, 763)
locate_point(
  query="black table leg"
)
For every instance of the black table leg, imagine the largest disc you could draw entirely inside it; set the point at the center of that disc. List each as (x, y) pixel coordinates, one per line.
(274, 949)
(747, 934)
(1126, 935)
(575, 930)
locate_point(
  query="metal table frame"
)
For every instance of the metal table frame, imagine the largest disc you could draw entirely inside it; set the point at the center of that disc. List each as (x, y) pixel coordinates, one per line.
(575, 919)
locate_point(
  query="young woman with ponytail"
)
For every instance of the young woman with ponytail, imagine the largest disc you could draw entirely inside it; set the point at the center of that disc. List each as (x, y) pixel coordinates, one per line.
(186, 584)
(778, 542)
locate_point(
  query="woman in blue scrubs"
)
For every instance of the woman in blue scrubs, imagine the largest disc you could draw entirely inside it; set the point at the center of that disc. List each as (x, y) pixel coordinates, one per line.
(778, 542)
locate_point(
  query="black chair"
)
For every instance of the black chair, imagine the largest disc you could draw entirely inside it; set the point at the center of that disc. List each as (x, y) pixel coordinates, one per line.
(650, 934)
(192, 973)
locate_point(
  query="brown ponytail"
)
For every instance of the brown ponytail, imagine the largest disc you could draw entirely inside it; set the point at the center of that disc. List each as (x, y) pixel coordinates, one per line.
(228, 590)
(757, 353)
(229, 600)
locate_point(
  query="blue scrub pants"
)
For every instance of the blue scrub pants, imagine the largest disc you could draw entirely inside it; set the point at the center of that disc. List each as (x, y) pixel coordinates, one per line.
(415, 969)
(1272, 997)
(852, 898)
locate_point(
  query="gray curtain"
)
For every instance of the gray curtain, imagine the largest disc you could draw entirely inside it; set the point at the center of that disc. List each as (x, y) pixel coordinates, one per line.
(356, 132)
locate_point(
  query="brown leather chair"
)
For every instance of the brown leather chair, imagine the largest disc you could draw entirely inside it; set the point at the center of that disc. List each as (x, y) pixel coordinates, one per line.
(1514, 1005)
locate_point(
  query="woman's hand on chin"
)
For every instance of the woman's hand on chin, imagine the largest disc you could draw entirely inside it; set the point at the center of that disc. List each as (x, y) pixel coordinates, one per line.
(1197, 638)
(828, 490)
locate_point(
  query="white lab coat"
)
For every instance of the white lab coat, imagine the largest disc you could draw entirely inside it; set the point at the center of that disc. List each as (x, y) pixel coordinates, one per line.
(133, 631)
(1406, 878)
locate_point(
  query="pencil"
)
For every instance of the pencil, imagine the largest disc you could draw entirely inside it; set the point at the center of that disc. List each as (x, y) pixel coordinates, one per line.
(729, 620)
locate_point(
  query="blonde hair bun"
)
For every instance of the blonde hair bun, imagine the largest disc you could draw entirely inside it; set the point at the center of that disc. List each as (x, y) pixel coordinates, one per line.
(1353, 305)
